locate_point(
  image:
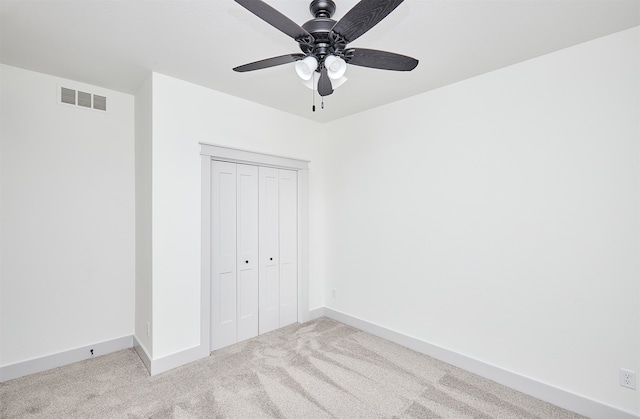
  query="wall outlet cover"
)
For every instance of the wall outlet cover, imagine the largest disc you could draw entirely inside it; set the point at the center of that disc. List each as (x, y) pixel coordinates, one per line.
(628, 378)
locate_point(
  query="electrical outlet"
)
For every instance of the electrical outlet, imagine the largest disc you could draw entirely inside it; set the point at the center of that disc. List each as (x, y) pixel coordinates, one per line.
(333, 293)
(148, 329)
(628, 378)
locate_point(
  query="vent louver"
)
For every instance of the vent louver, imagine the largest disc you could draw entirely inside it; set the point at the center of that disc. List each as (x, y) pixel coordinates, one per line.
(68, 96)
(99, 103)
(83, 99)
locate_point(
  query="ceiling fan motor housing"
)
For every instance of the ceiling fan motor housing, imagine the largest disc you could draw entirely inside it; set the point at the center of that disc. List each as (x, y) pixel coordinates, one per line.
(325, 41)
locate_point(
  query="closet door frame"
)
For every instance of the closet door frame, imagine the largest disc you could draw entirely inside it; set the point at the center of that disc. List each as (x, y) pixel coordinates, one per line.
(209, 152)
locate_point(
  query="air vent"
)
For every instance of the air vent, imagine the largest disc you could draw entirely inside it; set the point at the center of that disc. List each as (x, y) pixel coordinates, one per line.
(82, 99)
(68, 96)
(99, 103)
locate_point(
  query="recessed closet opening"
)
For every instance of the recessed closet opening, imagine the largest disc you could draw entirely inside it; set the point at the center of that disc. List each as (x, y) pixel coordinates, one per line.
(254, 244)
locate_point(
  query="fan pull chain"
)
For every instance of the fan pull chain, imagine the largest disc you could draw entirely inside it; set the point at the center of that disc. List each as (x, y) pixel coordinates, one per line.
(313, 92)
(322, 103)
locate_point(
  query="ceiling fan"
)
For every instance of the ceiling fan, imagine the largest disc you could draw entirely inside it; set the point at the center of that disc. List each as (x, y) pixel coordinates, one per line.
(323, 41)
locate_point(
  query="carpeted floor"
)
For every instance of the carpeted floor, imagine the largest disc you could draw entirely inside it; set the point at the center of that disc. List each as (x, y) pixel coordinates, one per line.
(320, 369)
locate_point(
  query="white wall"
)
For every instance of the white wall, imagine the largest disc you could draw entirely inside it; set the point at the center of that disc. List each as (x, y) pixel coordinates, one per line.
(67, 273)
(499, 218)
(185, 114)
(143, 173)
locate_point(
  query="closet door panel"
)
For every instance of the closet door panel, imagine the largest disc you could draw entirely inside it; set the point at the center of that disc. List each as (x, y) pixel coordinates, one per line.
(247, 251)
(223, 260)
(226, 304)
(288, 241)
(269, 278)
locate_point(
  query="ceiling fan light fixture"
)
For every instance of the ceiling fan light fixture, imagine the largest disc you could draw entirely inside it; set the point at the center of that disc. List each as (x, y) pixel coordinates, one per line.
(306, 67)
(336, 67)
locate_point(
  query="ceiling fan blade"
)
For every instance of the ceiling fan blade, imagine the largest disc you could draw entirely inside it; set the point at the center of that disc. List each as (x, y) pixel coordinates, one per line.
(324, 84)
(269, 62)
(363, 16)
(275, 19)
(382, 60)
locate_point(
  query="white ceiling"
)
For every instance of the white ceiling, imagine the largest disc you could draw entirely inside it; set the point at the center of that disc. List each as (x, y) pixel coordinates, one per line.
(116, 44)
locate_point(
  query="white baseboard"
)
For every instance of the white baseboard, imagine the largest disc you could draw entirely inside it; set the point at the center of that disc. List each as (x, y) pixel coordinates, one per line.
(154, 366)
(165, 363)
(527, 385)
(32, 366)
(142, 353)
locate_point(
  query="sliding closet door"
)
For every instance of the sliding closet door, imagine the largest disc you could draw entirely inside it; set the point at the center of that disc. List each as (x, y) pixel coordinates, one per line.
(223, 261)
(288, 238)
(247, 237)
(269, 289)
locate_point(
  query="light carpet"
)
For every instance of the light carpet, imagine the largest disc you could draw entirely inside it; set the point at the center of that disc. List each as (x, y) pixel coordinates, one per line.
(320, 369)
